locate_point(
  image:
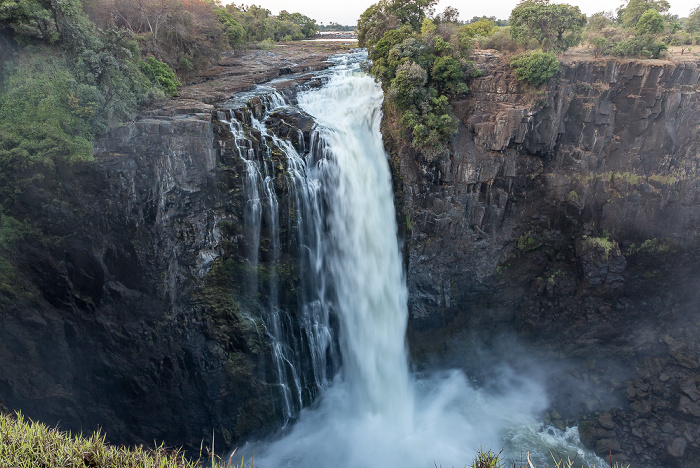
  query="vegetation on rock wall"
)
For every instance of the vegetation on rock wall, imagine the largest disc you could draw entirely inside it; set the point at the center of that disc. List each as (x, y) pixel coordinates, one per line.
(555, 27)
(535, 67)
(71, 69)
(421, 64)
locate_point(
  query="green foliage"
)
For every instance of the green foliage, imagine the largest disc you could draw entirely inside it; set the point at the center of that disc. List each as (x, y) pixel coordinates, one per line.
(28, 19)
(419, 67)
(555, 26)
(447, 73)
(25, 443)
(598, 21)
(525, 243)
(257, 25)
(482, 27)
(388, 15)
(307, 26)
(633, 11)
(603, 242)
(66, 86)
(645, 46)
(435, 129)
(501, 40)
(407, 88)
(692, 24)
(535, 67)
(265, 44)
(161, 74)
(45, 115)
(487, 459)
(651, 246)
(651, 22)
(599, 45)
(412, 12)
(232, 28)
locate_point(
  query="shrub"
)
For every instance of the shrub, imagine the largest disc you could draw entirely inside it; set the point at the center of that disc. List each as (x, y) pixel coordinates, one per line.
(535, 67)
(42, 118)
(651, 22)
(599, 45)
(554, 26)
(161, 74)
(407, 87)
(500, 40)
(266, 44)
(639, 46)
(487, 459)
(483, 27)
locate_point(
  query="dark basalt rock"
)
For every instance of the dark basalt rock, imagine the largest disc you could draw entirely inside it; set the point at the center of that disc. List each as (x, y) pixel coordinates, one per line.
(567, 218)
(131, 320)
(292, 125)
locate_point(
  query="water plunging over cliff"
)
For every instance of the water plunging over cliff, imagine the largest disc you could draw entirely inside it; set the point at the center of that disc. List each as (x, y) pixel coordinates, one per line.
(375, 412)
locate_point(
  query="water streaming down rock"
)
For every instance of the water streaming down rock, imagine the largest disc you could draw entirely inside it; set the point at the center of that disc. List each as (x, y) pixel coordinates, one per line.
(375, 412)
(292, 339)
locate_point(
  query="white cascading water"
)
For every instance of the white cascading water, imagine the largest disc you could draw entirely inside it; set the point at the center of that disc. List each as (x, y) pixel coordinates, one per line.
(376, 413)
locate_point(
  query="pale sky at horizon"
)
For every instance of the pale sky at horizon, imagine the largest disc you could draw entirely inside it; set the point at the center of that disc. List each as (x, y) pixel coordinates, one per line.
(347, 12)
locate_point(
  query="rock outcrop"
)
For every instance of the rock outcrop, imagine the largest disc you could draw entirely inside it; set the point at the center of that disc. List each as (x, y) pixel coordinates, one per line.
(130, 306)
(568, 216)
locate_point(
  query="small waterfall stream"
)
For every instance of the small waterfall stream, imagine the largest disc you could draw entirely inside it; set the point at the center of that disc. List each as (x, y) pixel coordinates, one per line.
(371, 411)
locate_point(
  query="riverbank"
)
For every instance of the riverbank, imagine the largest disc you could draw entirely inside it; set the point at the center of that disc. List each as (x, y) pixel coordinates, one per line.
(240, 70)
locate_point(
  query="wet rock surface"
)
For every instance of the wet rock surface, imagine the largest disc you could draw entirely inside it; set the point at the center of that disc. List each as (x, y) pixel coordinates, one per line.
(240, 70)
(133, 311)
(564, 224)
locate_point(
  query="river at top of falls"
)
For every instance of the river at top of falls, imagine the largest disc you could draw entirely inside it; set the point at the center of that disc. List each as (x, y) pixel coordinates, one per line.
(375, 412)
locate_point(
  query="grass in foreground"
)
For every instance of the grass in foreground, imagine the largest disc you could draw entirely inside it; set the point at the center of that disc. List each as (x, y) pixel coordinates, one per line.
(490, 459)
(30, 444)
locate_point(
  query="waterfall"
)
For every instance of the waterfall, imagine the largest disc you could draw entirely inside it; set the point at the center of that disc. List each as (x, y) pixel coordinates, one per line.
(284, 331)
(374, 411)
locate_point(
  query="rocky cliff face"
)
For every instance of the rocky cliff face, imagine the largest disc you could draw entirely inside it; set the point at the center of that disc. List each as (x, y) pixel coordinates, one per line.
(569, 217)
(132, 307)
(565, 219)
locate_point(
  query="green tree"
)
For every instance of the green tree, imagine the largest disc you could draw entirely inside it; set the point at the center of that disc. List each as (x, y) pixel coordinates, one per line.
(598, 21)
(645, 46)
(651, 22)
(599, 44)
(692, 24)
(307, 25)
(28, 20)
(483, 27)
(420, 70)
(535, 67)
(555, 26)
(412, 11)
(232, 28)
(634, 10)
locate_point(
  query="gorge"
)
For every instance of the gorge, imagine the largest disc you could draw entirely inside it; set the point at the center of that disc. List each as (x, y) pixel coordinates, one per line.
(562, 226)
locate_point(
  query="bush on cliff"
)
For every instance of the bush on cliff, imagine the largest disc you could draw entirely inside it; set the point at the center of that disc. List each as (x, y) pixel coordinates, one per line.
(535, 67)
(421, 64)
(556, 27)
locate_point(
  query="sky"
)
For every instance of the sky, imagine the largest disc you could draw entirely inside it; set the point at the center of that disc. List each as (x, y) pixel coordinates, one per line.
(348, 11)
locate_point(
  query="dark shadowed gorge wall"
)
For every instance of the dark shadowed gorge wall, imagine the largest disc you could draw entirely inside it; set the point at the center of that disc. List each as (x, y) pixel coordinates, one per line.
(566, 219)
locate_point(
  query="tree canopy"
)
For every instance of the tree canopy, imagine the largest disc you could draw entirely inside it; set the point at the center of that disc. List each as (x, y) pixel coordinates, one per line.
(633, 11)
(651, 22)
(556, 27)
(421, 66)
